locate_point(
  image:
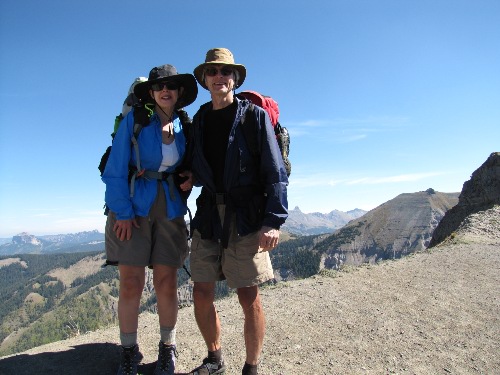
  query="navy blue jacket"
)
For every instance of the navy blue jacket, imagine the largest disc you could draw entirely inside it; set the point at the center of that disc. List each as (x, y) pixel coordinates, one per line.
(256, 188)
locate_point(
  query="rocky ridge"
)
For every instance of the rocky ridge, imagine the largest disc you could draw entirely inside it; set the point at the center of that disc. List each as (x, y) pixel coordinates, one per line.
(480, 193)
(394, 229)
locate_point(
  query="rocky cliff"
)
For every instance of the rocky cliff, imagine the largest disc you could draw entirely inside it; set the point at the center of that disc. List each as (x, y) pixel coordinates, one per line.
(480, 193)
(396, 228)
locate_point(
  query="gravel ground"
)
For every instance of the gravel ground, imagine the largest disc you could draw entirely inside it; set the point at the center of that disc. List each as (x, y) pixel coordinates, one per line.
(436, 312)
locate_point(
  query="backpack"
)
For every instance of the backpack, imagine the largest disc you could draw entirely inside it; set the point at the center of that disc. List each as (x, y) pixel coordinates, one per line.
(141, 119)
(282, 135)
(130, 101)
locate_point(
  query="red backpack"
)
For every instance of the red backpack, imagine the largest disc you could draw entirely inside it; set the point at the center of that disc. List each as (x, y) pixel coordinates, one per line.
(282, 135)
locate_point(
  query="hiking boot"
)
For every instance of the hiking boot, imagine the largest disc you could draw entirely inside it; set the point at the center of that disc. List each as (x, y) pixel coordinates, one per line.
(129, 359)
(208, 368)
(166, 359)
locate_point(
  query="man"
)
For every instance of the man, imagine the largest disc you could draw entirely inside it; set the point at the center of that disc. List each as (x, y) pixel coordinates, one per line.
(241, 207)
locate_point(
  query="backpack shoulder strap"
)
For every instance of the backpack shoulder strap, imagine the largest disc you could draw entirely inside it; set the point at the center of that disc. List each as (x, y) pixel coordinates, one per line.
(187, 129)
(249, 129)
(142, 112)
(185, 120)
(141, 119)
(183, 116)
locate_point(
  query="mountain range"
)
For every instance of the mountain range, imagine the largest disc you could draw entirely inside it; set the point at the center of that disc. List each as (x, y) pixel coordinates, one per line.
(433, 312)
(53, 278)
(52, 294)
(318, 223)
(25, 243)
(53, 283)
(298, 223)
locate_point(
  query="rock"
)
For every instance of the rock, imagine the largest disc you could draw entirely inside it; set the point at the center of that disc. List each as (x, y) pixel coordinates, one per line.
(480, 193)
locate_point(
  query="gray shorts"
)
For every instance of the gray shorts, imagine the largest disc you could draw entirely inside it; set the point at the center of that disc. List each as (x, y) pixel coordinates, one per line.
(157, 241)
(240, 264)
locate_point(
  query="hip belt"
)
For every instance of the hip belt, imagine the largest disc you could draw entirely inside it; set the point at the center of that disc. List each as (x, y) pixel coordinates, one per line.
(154, 175)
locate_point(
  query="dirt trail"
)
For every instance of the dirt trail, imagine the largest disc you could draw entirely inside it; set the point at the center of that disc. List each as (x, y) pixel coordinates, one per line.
(436, 312)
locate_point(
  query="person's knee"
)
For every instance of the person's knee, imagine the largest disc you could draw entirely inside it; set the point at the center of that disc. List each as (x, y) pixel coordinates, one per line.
(249, 298)
(131, 287)
(165, 282)
(203, 293)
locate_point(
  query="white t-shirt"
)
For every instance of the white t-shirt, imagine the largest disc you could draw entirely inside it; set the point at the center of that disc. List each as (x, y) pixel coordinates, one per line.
(170, 155)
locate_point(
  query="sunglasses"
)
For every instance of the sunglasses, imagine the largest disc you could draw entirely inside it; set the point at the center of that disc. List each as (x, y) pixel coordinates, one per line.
(212, 72)
(168, 85)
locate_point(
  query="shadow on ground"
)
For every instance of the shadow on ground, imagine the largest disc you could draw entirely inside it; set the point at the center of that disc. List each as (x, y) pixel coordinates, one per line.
(95, 359)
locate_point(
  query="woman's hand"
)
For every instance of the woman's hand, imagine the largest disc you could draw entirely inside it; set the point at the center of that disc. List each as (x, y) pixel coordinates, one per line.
(123, 228)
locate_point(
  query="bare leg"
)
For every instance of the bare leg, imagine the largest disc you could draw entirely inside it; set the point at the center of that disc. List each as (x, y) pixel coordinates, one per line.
(132, 280)
(206, 314)
(255, 322)
(165, 283)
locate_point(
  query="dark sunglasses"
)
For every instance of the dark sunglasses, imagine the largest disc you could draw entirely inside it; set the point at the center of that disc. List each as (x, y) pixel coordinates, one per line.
(212, 72)
(168, 85)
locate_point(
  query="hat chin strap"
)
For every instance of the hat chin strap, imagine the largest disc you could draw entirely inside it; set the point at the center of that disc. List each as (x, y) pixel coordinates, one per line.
(169, 117)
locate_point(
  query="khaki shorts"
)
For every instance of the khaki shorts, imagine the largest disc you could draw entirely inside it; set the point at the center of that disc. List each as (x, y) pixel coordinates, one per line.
(157, 241)
(240, 264)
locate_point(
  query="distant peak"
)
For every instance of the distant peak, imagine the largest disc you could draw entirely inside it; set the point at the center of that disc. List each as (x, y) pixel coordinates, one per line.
(297, 208)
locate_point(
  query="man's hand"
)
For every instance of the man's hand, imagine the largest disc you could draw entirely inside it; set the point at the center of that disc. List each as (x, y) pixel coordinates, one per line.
(123, 228)
(189, 182)
(268, 238)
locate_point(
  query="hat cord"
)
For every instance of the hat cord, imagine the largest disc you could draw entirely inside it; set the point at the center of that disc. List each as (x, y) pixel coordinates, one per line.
(169, 118)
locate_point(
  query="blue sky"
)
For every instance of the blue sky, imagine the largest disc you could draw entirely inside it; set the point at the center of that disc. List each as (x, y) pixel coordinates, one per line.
(381, 97)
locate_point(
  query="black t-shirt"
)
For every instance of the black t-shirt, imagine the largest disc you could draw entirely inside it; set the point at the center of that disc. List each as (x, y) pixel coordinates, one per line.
(218, 124)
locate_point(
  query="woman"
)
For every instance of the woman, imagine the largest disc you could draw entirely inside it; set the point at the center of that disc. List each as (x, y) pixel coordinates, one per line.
(145, 225)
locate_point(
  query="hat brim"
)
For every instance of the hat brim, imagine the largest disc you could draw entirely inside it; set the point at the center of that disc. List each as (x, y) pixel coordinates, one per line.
(187, 81)
(198, 72)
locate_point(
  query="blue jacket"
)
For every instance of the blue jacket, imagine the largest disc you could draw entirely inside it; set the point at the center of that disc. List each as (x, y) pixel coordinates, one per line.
(257, 189)
(116, 173)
